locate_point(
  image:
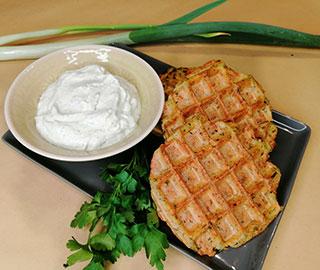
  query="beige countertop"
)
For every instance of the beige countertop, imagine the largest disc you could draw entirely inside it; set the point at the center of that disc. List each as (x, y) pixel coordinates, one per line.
(36, 206)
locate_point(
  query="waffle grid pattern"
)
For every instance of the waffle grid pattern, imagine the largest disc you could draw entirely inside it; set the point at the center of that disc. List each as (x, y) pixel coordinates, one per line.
(219, 93)
(210, 188)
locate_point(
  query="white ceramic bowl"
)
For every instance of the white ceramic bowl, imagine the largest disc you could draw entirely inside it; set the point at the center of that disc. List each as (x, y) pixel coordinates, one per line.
(24, 93)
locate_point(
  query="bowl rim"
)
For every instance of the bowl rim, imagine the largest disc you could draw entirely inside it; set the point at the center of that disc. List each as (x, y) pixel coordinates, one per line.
(89, 157)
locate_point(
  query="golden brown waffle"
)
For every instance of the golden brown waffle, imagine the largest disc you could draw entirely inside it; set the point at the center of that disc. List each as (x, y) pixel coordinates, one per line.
(173, 77)
(208, 189)
(218, 93)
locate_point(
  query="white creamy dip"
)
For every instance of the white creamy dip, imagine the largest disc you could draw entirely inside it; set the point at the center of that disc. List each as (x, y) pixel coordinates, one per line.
(87, 109)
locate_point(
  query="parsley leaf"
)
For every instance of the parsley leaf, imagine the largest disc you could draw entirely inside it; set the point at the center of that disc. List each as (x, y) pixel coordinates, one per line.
(125, 245)
(122, 177)
(84, 217)
(137, 243)
(152, 217)
(132, 185)
(94, 266)
(73, 245)
(155, 243)
(127, 215)
(79, 256)
(102, 241)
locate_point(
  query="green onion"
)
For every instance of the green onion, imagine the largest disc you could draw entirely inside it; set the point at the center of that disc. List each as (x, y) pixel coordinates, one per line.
(35, 34)
(196, 13)
(211, 35)
(183, 30)
(240, 38)
(93, 28)
(177, 30)
(36, 51)
(68, 30)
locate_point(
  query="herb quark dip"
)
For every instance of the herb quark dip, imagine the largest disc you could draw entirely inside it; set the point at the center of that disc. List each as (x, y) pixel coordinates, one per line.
(87, 109)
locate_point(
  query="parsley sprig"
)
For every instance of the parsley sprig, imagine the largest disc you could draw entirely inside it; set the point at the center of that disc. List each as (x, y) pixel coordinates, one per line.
(126, 218)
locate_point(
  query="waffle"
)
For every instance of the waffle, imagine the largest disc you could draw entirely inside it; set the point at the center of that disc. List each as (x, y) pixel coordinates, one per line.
(208, 189)
(173, 77)
(218, 93)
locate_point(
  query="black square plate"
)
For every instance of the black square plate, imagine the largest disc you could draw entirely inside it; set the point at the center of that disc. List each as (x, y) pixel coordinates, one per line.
(291, 142)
